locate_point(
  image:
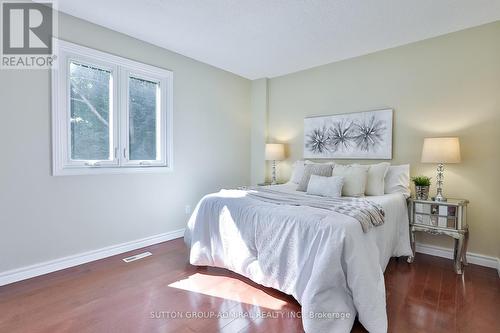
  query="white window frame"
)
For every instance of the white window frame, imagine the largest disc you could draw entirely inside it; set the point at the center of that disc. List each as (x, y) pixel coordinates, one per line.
(121, 69)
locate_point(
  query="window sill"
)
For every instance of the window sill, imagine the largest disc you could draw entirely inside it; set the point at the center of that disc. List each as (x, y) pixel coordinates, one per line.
(111, 170)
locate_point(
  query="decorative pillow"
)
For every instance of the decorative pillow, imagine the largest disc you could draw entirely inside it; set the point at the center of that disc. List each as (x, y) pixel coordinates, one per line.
(297, 172)
(355, 177)
(312, 162)
(298, 169)
(376, 178)
(325, 186)
(313, 169)
(397, 179)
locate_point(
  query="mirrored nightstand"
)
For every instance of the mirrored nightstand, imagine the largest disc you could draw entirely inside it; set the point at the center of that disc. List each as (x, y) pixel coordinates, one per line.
(441, 218)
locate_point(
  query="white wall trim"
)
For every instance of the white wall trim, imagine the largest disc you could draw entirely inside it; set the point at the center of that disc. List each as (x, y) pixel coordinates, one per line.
(27, 272)
(473, 258)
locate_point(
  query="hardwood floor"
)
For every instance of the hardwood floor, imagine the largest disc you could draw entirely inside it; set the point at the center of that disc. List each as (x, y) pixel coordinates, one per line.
(144, 296)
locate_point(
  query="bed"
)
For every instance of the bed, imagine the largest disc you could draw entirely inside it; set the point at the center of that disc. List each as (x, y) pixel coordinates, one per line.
(325, 259)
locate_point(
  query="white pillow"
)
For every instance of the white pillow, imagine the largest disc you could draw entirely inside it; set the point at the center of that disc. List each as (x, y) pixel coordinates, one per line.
(355, 177)
(297, 172)
(325, 186)
(376, 178)
(397, 180)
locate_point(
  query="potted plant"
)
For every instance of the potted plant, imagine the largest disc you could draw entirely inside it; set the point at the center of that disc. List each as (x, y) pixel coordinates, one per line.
(422, 185)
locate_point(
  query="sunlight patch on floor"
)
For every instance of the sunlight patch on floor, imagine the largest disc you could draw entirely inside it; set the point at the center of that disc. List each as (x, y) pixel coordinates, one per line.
(228, 288)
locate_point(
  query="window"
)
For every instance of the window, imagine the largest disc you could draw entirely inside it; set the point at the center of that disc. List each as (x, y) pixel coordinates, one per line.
(110, 114)
(90, 108)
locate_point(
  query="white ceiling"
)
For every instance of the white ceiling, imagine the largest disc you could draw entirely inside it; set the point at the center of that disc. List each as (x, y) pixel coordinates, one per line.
(268, 38)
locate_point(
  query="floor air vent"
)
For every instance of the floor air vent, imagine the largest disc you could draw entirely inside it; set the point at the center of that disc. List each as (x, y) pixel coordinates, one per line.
(137, 257)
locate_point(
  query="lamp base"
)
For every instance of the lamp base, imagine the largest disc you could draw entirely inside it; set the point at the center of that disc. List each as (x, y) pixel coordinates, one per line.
(440, 181)
(273, 179)
(439, 198)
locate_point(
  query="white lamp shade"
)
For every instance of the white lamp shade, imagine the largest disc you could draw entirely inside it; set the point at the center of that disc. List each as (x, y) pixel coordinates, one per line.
(441, 150)
(275, 151)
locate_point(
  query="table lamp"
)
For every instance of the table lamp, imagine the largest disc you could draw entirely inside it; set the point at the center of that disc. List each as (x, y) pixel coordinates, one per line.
(275, 152)
(441, 151)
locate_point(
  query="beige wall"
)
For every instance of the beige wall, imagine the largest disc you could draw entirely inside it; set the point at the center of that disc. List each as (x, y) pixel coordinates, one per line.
(448, 85)
(44, 217)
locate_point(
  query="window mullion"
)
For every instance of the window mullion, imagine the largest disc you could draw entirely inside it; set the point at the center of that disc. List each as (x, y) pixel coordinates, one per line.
(123, 118)
(116, 115)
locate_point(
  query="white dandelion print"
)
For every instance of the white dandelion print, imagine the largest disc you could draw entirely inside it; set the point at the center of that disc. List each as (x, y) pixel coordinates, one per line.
(362, 135)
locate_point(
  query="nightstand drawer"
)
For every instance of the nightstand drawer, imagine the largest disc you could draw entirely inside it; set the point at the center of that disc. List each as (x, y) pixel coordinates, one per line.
(449, 222)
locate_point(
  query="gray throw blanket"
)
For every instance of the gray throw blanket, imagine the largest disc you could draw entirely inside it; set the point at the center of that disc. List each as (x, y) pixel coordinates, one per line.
(366, 212)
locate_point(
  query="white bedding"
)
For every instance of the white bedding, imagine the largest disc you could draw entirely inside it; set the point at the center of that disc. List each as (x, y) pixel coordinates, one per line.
(393, 237)
(320, 257)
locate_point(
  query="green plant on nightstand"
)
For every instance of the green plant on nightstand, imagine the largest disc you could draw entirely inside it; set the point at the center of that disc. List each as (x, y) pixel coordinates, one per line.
(422, 185)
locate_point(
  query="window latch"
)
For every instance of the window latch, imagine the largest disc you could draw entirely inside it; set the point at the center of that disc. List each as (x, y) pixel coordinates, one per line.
(93, 164)
(145, 163)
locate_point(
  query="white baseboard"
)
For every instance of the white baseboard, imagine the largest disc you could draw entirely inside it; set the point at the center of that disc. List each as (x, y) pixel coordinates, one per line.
(27, 272)
(472, 258)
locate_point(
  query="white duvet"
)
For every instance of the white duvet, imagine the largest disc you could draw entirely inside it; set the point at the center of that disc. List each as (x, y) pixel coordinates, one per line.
(322, 258)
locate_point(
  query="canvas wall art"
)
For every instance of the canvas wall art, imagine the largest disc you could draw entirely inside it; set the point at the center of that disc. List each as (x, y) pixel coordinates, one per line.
(361, 135)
